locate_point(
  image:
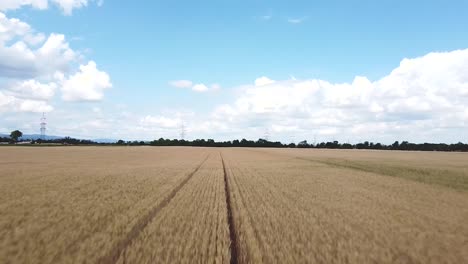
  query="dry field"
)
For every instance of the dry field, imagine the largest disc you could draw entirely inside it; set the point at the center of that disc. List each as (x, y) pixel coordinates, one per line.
(221, 205)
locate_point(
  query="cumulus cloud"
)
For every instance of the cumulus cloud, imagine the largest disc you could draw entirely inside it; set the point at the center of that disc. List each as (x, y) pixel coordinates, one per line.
(56, 49)
(181, 83)
(34, 65)
(15, 4)
(423, 99)
(263, 81)
(200, 87)
(12, 27)
(215, 87)
(66, 6)
(19, 56)
(421, 95)
(32, 89)
(10, 103)
(88, 84)
(26, 96)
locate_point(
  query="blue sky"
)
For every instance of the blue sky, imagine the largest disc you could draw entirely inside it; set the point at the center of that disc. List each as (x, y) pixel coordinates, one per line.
(223, 47)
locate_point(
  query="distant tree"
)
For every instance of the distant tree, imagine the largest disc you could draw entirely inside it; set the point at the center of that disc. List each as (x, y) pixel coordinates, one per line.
(15, 135)
(120, 142)
(336, 144)
(210, 142)
(346, 146)
(303, 144)
(404, 145)
(243, 142)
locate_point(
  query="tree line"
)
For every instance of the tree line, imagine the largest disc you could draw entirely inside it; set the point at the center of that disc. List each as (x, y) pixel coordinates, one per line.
(260, 143)
(15, 137)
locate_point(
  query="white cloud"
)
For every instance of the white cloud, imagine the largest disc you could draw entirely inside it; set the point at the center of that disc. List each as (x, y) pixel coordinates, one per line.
(15, 4)
(160, 122)
(201, 88)
(86, 85)
(263, 81)
(27, 96)
(423, 99)
(57, 53)
(32, 66)
(422, 95)
(66, 6)
(283, 128)
(9, 103)
(11, 27)
(181, 83)
(19, 58)
(32, 89)
(34, 39)
(215, 87)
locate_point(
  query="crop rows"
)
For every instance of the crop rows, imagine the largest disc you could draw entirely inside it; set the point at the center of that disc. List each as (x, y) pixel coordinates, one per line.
(192, 228)
(73, 214)
(292, 210)
(198, 205)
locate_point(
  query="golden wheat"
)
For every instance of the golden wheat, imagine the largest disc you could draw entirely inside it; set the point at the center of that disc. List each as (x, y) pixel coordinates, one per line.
(209, 205)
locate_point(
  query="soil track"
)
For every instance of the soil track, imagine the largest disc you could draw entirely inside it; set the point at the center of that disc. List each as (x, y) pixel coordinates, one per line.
(113, 255)
(232, 231)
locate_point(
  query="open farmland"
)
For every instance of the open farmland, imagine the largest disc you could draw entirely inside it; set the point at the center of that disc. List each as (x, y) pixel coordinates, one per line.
(228, 205)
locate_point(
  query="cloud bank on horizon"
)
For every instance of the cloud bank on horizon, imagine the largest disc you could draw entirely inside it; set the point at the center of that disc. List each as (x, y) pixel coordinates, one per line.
(423, 99)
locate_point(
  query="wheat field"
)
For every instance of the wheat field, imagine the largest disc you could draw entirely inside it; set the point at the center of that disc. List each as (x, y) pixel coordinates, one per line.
(231, 205)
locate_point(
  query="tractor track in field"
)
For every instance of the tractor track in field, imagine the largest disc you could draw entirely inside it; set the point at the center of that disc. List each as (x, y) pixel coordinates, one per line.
(234, 246)
(113, 255)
